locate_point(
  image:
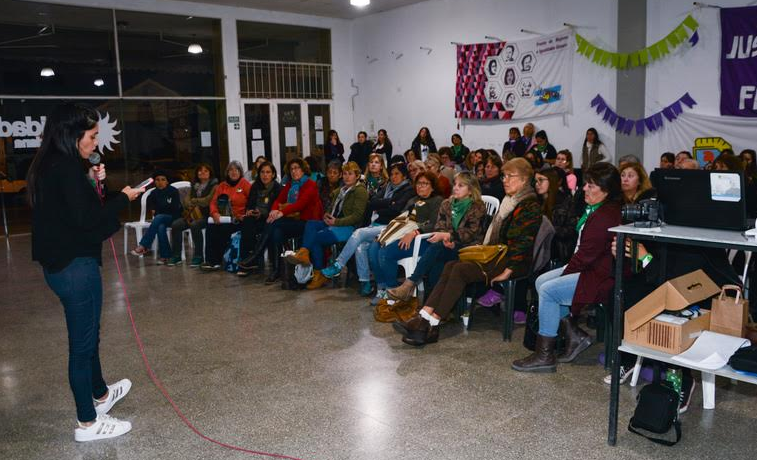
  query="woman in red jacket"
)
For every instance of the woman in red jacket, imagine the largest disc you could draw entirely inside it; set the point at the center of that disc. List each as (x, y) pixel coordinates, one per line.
(586, 279)
(229, 200)
(297, 203)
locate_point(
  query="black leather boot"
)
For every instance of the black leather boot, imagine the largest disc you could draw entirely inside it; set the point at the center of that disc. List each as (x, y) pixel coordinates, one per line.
(542, 359)
(275, 275)
(576, 340)
(255, 257)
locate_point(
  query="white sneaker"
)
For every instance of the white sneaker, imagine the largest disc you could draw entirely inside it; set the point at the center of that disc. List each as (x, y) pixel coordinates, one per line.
(104, 427)
(115, 392)
(625, 374)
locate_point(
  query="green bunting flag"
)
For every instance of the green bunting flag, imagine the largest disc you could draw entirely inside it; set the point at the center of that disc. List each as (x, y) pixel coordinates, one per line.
(656, 51)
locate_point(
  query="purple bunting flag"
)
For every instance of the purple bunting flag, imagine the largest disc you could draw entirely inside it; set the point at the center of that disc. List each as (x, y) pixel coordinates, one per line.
(651, 123)
(621, 124)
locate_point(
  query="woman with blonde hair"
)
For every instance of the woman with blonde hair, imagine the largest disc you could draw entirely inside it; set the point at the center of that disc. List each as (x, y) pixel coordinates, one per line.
(457, 226)
(414, 168)
(375, 174)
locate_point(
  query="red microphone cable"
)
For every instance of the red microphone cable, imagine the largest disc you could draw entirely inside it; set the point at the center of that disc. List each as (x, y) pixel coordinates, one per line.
(154, 377)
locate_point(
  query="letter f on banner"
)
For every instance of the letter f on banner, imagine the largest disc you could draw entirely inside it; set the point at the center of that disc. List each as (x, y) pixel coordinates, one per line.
(747, 92)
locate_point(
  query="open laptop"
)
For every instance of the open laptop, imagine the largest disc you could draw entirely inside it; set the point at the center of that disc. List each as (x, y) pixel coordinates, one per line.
(696, 198)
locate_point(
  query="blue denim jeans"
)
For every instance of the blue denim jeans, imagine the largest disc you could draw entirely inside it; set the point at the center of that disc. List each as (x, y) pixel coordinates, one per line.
(79, 288)
(358, 245)
(159, 227)
(319, 235)
(384, 260)
(555, 297)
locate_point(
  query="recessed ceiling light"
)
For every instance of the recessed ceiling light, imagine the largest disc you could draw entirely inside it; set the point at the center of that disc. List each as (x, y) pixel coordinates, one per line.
(194, 48)
(47, 72)
(99, 82)
(360, 2)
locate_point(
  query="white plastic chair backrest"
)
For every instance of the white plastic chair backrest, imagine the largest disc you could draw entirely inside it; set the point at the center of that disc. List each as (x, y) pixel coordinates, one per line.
(224, 220)
(183, 186)
(143, 204)
(492, 204)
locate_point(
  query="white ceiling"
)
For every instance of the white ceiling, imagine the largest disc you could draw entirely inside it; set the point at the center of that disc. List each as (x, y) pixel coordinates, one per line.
(329, 8)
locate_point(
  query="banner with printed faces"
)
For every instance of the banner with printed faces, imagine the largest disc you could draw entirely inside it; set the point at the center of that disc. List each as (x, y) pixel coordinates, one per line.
(515, 79)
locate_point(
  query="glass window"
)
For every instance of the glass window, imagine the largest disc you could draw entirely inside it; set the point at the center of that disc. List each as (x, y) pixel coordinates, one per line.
(156, 60)
(279, 42)
(74, 45)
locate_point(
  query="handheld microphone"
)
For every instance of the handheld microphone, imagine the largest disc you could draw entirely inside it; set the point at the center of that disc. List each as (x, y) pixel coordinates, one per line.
(95, 158)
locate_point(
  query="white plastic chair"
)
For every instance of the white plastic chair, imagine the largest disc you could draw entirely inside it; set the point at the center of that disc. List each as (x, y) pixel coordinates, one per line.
(409, 263)
(492, 204)
(143, 223)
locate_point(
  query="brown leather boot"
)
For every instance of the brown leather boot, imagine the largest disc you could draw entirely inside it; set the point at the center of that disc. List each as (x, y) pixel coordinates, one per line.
(404, 327)
(542, 359)
(302, 256)
(576, 340)
(318, 280)
(420, 333)
(404, 292)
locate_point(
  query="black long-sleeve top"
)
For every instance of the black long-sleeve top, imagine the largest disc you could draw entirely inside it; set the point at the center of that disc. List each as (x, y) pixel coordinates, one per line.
(68, 218)
(165, 201)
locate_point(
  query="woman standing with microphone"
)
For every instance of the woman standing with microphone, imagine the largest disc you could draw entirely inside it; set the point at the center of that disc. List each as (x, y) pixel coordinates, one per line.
(69, 224)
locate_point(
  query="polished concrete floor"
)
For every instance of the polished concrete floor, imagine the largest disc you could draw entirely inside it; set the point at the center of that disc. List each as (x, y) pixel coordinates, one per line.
(310, 375)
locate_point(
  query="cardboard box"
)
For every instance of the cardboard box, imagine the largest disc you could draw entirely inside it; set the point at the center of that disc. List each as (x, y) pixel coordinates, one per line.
(641, 327)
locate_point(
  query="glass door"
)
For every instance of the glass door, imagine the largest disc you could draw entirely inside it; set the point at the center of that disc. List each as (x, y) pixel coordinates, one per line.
(257, 123)
(290, 132)
(319, 124)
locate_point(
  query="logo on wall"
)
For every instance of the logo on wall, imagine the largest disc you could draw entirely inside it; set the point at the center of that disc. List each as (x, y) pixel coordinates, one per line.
(707, 149)
(27, 134)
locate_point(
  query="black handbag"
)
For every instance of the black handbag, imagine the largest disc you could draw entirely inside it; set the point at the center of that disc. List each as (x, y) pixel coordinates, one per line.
(745, 359)
(657, 411)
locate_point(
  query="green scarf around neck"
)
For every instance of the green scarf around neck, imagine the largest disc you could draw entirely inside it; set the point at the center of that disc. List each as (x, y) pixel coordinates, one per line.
(459, 209)
(590, 208)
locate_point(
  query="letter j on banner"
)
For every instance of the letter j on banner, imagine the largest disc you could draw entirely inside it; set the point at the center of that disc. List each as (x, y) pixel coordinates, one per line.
(738, 61)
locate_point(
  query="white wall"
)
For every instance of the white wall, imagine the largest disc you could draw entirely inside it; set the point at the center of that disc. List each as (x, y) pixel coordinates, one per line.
(419, 89)
(341, 50)
(695, 70)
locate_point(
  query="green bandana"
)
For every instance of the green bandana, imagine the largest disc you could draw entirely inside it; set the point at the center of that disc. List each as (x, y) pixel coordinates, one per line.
(590, 208)
(457, 151)
(459, 208)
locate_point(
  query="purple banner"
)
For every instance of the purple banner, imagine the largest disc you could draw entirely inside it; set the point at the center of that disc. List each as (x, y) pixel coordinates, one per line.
(738, 62)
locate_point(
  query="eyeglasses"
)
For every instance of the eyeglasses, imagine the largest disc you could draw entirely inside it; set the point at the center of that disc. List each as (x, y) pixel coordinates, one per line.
(510, 176)
(423, 184)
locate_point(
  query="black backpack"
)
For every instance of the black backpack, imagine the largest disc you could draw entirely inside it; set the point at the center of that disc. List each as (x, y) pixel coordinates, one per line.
(657, 411)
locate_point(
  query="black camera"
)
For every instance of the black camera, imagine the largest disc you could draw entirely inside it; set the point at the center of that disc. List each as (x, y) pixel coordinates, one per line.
(645, 213)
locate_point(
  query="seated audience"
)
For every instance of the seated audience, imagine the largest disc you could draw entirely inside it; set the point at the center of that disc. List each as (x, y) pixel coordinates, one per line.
(382, 208)
(593, 150)
(459, 150)
(423, 144)
(473, 158)
(586, 279)
(433, 164)
(557, 205)
(331, 182)
(564, 161)
(727, 161)
(535, 159)
(383, 145)
(383, 259)
(229, 200)
(410, 156)
(360, 150)
(516, 224)
(262, 195)
(480, 166)
(459, 225)
(164, 204)
(297, 203)
(346, 213)
(516, 144)
(689, 163)
(492, 185)
(375, 174)
(680, 156)
(252, 173)
(529, 140)
(543, 148)
(334, 149)
(635, 183)
(625, 160)
(199, 196)
(667, 160)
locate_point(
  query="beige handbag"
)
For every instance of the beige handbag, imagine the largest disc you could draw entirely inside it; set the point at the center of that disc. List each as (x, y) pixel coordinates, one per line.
(398, 227)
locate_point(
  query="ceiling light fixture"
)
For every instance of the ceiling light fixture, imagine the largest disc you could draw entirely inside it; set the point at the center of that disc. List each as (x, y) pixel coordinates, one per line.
(194, 48)
(47, 72)
(360, 2)
(99, 82)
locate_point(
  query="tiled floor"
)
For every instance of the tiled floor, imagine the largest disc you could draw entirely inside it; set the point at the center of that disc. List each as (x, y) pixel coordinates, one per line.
(310, 375)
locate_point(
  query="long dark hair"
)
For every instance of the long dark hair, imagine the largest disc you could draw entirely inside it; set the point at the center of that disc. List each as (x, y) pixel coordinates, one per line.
(386, 135)
(607, 177)
(258, 185)
(596, 136)
(429, 139)
(64, 128)
(200, 166)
